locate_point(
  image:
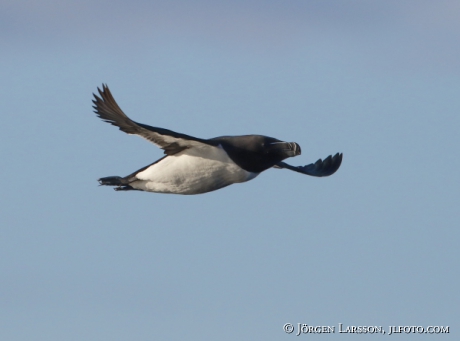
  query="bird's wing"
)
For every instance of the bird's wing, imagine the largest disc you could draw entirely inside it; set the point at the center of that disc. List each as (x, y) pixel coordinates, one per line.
(320, 168)
(171, 142)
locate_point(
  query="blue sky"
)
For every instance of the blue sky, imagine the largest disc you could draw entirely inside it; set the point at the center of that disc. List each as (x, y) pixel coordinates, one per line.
(375, 244)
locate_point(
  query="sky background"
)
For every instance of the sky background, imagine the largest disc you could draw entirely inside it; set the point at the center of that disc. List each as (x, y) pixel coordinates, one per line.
(375, 244)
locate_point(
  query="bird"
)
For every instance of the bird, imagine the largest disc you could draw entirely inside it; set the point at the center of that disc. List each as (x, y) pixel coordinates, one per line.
(193, 165)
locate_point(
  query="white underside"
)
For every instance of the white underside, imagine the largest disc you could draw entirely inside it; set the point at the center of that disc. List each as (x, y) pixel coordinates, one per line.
(193, 171)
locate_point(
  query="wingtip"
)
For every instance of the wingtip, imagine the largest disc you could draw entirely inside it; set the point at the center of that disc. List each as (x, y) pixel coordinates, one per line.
(326, 167)
(338, 159)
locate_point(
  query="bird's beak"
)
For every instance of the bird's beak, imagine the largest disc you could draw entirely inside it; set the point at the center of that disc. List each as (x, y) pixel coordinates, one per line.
(294, 149)
(289, 149)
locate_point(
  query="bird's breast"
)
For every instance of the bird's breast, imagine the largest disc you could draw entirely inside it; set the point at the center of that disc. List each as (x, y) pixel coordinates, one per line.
(192, 172)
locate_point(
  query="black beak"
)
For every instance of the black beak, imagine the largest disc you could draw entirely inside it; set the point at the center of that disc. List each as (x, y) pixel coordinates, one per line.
(289, 149)
(292, 149)
(296, 148)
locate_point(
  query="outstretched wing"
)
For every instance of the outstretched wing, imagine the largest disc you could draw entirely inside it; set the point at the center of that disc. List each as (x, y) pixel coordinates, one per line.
(171, 142)
(320, 168)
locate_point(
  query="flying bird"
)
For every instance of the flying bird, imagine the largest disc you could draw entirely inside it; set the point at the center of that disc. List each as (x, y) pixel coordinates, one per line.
(193, 165)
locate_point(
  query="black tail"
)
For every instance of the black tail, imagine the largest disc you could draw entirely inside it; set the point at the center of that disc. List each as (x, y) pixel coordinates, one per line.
(113, 181)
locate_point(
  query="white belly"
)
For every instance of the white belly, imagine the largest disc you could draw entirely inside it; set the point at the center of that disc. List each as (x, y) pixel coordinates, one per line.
(190, 173)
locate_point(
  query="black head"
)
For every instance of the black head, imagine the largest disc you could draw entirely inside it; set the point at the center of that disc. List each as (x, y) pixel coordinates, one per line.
(256, 153)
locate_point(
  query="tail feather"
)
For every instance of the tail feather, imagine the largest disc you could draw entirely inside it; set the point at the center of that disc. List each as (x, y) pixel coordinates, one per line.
(113, 181)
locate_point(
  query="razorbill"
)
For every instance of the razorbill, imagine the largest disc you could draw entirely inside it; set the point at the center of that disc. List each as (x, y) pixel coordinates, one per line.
(193, 165)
